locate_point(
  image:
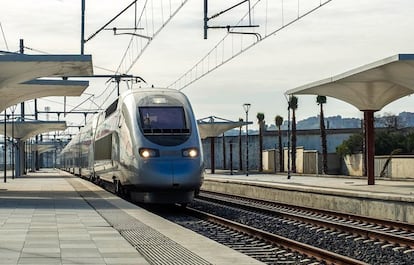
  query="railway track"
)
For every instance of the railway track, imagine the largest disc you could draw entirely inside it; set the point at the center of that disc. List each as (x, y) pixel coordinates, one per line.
(265, 246)
(365, 240)
(397, 233)
(276, 233)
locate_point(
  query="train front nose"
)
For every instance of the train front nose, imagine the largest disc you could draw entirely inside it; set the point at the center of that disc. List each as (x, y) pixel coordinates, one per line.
(171, 174)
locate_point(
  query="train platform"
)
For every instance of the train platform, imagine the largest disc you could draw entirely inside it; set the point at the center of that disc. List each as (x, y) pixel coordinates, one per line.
(52, 217)
(387, 199)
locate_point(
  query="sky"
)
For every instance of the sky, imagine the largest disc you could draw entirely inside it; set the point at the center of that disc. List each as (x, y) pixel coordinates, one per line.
(338, 37)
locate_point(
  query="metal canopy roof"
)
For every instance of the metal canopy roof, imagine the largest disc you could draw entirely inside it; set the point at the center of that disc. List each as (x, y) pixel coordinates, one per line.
(370, 87)
(18, 74)
(23, 130)
(210, 127)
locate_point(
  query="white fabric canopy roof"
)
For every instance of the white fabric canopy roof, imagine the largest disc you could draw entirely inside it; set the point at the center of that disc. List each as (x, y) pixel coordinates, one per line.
(370, 87)
(23, 130)
(18, 74)
(17, 93)
(214, 126)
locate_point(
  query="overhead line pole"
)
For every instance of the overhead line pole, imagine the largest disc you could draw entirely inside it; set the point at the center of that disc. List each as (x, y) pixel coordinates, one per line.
(83, 27)
(205, 18)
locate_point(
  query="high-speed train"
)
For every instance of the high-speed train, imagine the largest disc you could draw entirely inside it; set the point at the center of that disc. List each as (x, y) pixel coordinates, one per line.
(146, 143)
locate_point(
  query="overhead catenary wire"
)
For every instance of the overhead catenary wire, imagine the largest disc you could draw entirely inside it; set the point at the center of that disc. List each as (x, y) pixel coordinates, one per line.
(134, 53)
(109, 22)
(152, 25)
(181, 83)
(4, 37)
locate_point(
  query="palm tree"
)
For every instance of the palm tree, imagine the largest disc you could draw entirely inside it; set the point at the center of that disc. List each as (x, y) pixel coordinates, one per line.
(240, 145)
(260, 117)
(293, 105)
(322, 100)
(279, 122)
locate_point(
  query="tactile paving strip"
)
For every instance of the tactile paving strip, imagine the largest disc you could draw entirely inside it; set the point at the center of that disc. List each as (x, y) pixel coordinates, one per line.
(154, 246)
(159, 249)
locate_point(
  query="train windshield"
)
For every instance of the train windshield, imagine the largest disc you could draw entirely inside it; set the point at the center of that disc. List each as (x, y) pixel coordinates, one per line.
(163, 120)
(164, 125)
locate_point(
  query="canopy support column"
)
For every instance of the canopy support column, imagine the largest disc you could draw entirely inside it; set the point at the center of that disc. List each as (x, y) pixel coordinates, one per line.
(369, 145)
(213, 154)
(19, 156)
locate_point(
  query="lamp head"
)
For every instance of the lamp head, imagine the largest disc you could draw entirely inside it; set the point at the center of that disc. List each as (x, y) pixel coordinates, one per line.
(246, 106)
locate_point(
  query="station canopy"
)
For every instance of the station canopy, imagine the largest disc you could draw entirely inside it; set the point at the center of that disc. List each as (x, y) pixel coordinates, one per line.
(214, 126)
(24, 130)
(370, 87)
(44, 147)
(14, 94)
(22, 76)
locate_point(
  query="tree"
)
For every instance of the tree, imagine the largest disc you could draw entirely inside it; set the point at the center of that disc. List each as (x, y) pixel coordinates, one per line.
(260, 118)
(409, 143)
(293, 105)
(352, 145)
(387, 142)
(279, 122)
(322, 100)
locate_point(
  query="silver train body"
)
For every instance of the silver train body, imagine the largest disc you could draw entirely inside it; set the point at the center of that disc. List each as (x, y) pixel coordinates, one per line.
(146, 143)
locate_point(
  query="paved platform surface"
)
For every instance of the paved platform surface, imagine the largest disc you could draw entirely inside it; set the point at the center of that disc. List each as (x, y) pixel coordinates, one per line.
(397, 188)
(51, 217)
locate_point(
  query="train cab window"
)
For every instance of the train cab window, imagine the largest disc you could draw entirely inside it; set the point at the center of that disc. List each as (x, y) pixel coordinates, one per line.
(158, 122)
(163, 119)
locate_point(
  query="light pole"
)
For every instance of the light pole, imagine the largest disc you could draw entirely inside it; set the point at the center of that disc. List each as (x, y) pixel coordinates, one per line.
(5, 147)
(13, 108)
(288, 133)
(246, 107)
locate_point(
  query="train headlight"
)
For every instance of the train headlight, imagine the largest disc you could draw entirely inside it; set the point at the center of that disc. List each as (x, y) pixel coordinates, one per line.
(190, 152)
(148, 152)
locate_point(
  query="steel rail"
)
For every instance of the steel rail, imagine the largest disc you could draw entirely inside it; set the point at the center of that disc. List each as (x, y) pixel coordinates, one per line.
(363, 231)
(310, 251)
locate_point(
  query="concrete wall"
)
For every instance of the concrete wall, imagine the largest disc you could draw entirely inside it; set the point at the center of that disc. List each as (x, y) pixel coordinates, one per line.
(224, 158)
(299, 159)
(353, 165)
(402, 167)
(305, 159)
(271, 160)
(311, 163)
(399, 167)
(270, 141)
(309, 140)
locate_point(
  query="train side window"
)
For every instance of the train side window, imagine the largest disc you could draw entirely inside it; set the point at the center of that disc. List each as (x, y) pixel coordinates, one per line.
(111, 109)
